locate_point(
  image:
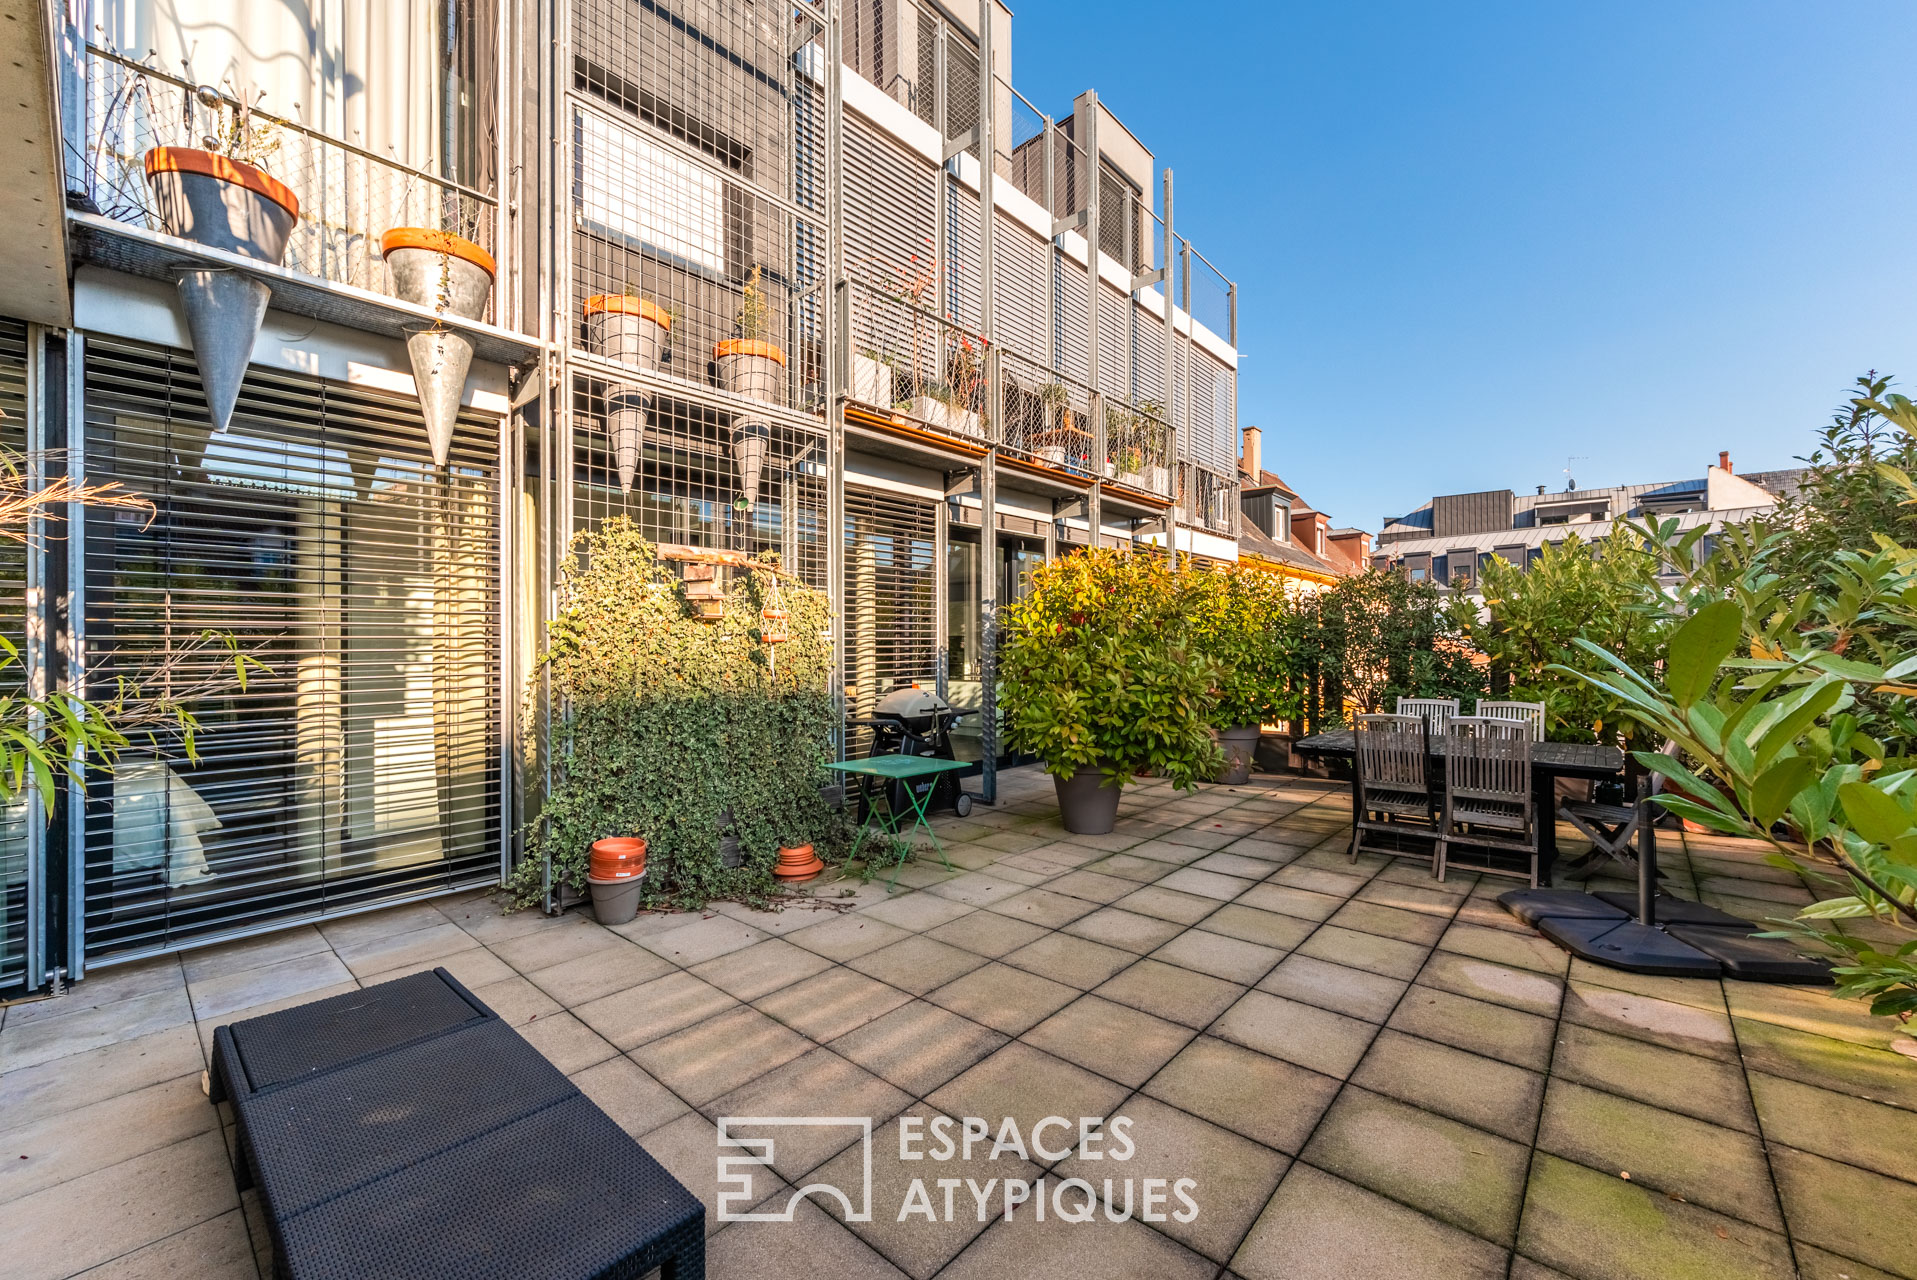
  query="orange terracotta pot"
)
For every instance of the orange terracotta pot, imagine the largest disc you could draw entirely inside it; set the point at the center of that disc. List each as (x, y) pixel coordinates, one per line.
(798, 864)
(618, 858)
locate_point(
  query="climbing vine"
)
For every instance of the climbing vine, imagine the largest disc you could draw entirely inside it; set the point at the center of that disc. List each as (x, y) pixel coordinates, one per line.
(677, 729)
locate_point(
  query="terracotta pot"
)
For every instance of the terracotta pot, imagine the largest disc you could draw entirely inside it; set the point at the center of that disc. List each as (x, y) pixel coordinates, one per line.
(618, 858)
(798, 864)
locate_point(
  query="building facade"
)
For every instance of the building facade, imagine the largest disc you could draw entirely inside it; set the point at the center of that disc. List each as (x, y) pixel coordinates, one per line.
(880, 345)
(1449, 539)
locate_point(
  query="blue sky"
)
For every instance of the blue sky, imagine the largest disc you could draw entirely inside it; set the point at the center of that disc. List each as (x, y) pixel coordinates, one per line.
(1475, 240)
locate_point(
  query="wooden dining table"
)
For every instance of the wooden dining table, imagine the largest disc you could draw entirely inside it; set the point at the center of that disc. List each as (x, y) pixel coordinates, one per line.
(1549, 762)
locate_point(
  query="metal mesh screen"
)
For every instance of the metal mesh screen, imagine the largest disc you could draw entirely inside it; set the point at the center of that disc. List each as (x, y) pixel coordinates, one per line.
(363, 765)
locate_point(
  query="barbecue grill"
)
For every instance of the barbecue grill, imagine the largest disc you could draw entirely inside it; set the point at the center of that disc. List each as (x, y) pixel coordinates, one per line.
(912, 721)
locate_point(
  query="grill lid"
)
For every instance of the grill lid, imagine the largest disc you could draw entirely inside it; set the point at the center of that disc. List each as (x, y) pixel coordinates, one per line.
(911, 703)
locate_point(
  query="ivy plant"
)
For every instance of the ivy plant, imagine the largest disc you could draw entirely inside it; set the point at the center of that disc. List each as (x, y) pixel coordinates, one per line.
(1101, 668)
(679, 730)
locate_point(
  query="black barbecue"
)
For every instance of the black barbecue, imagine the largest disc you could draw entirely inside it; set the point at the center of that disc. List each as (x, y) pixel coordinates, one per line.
(913, 721)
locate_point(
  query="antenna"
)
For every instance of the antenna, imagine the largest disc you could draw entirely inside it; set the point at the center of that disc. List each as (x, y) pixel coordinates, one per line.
(1569, 482)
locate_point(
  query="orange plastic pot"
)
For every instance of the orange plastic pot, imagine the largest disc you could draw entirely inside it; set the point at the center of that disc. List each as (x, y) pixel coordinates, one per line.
(798, 864)
(618, 858)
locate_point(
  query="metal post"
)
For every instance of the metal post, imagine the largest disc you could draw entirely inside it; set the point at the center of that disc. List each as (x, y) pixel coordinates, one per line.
(988, 465)
(76, 538)
(1094, 506)
(38, 602)
(1231, 299)
(1184, 383)
(1051, 254)
(1171, 337)
(838, 338)
(940, 257)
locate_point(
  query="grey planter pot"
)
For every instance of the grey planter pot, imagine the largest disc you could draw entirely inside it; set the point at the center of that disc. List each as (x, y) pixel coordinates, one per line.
(629, 331)
(615, 901)
(450, 276)
(753, 369)
(1239, 745)
(228, 205)
(1086, 805)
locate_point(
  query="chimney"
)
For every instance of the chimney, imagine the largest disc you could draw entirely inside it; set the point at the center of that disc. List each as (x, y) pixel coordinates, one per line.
(1540, 490)
(1724, 461)
(1252, 464)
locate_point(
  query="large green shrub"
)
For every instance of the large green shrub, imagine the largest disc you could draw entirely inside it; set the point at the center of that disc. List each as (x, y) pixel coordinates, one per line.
(1246, 624)
(1375, 637)
(1100, 668)
(663, 723)
(1532, 615)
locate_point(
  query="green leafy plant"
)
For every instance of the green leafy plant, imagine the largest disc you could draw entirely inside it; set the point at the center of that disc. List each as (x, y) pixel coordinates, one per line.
(1247, 626)
(1101, 668)
(753, 310)
(1374, 637)
(662, 723)
(1531, 615)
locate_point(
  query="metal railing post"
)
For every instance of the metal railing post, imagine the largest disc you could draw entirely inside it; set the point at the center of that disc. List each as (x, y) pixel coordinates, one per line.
(1094, 504)
(1171, 337)
(838, 340)
(994, 413)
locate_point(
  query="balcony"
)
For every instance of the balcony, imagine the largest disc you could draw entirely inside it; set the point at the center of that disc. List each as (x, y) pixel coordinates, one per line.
(348, 197)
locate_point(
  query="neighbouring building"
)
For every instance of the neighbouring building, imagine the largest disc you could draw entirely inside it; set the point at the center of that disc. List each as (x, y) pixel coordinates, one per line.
(1449, 539)
(753, 287)
(1280, 533)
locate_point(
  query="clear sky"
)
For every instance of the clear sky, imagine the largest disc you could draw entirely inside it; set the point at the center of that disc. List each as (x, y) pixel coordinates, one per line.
(1474, 240)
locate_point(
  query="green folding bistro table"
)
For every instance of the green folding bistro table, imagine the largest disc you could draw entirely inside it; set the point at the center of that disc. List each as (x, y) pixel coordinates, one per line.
(904, 770)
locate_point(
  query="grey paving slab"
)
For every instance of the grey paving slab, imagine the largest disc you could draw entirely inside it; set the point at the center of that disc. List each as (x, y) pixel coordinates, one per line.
(1321, 1227)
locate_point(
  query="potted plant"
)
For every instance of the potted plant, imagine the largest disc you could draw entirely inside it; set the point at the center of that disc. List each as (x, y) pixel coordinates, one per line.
(748, 364)
(1054, 439)
(629, 330)
(449, 275)
(1245, 625)
(223, 199)
(1102, 679)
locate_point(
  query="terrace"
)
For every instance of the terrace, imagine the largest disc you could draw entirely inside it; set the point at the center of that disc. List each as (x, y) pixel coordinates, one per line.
(1368, 1073)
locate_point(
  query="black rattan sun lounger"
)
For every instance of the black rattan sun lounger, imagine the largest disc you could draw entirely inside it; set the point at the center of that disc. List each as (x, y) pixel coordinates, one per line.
(404, 1131)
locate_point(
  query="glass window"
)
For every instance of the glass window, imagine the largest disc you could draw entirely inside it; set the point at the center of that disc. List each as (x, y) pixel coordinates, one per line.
(635, 190)
(961, 609)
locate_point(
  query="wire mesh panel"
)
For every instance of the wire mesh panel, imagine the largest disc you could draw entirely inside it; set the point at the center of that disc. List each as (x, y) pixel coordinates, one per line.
(697, 190)
(1210, 297)
(1025, 151)
(1047, 417)
(692, 475)
(1138, 446)
(14, 818)
(347, 198)
(1208, 500)
(362, 764)
(918, 364)
(890, 623)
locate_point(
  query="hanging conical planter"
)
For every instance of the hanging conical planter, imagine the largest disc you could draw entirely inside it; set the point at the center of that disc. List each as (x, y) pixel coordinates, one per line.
(750, 440)
(222, 203)
(453, 277)
(631, 331)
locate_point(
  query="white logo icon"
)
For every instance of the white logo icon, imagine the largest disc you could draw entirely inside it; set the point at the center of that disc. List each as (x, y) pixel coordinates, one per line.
(735, 1171)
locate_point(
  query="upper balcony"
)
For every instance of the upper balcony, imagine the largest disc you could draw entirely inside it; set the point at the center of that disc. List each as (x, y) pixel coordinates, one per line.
(348, 197)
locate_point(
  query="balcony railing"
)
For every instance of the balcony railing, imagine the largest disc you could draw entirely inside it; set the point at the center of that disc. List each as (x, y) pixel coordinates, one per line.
(1048, 416)
(348, 196)
(1207, 500)
(913, 363)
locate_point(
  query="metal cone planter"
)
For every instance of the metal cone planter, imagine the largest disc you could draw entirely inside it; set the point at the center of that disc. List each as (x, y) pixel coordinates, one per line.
(227, 204)
(757, 369)
(630, 331)
(453, 277)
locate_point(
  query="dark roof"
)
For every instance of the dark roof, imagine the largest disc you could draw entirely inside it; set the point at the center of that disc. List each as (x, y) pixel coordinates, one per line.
(1255, 541)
